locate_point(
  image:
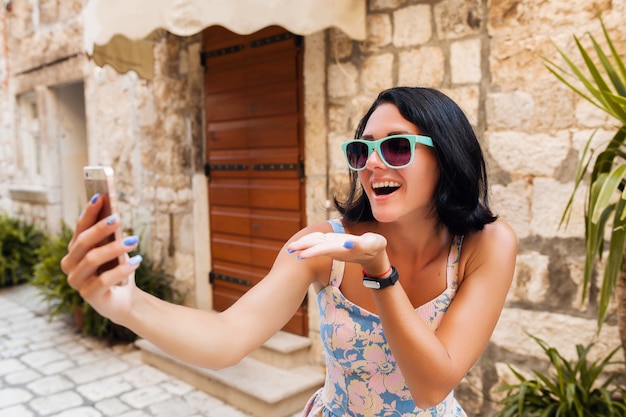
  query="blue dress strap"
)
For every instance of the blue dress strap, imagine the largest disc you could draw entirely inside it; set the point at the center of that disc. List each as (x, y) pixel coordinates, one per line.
(337, 226)
(337, 268)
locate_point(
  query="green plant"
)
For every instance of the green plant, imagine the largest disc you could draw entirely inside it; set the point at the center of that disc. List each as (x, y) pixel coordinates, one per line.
(605, 207)
(53, 287)
(19, 241)
(50, 280)
(568, 389)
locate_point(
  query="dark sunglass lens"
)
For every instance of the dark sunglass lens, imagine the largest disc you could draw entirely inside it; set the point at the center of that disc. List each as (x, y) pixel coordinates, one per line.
(396, 151)
(357, 154)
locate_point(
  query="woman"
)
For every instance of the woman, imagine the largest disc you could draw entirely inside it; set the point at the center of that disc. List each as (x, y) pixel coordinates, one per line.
(410, 280)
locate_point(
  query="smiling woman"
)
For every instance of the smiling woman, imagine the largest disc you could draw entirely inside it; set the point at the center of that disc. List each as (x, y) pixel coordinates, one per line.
(402, 277)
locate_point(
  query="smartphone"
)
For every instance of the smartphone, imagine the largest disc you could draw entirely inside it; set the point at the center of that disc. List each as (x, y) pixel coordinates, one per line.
(101, 179)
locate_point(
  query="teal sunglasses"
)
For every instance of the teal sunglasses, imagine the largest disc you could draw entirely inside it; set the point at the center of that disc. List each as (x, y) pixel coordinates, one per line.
(395, 151)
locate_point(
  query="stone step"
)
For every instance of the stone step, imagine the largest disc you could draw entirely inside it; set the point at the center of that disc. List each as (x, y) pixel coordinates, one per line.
(284, 350)
(254, 387)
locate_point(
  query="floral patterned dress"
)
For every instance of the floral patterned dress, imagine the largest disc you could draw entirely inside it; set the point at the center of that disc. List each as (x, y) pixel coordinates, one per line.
(362, 377)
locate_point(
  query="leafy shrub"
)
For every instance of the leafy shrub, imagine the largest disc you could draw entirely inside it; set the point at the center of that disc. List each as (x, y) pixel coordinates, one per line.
(19, 241)
(50, 280)
(52, 284)
(569, 389)
(602, 82)
(149, 279)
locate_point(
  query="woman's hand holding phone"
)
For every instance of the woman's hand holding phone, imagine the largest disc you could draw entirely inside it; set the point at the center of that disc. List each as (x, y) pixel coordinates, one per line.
(108, 291)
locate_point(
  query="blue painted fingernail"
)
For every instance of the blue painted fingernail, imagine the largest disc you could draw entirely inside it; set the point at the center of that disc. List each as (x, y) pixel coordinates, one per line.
(299, 258)
(135, 260)
(348, 245)
(131, 240)
(290, 250)
(112, 219)
(94, 198)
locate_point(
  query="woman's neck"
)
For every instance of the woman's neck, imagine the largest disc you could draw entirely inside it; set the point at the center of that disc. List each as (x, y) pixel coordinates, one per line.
(418, 242)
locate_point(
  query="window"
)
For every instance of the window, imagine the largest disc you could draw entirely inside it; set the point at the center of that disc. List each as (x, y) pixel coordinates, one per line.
(29, 137)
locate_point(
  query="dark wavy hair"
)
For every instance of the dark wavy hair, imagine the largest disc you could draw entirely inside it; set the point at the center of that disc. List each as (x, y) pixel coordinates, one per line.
(461, 195)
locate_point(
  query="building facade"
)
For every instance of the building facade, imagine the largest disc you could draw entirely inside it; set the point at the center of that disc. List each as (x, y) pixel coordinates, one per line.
(61, 111)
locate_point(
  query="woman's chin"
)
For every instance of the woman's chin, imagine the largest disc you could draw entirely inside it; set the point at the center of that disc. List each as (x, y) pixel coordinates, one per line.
(385, 216)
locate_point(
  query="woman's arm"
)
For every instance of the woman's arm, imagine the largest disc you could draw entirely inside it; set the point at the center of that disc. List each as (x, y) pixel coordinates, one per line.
(434, 363)
(202, 338)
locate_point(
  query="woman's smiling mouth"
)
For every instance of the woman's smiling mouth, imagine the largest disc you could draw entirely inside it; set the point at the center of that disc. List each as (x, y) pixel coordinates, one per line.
(385, 187)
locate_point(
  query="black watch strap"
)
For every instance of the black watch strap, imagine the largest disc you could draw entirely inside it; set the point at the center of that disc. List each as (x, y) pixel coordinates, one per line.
(380, 283)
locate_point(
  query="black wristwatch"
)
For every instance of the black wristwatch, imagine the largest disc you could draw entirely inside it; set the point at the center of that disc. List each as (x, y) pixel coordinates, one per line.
(380, 283)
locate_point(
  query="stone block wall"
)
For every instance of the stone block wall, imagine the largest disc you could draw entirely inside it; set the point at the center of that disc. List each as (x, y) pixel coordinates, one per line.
(151, 132)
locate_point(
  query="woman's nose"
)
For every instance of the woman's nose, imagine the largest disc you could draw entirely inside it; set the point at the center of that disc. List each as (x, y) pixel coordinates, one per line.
(374, 161)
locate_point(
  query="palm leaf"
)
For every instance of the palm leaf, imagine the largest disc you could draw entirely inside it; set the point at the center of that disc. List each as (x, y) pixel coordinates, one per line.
(594, 232)
(581, 170)
(599, 87)
(601, 82)
(621, 68)
(599, 209)
(557, 70)
(608, 185)
(614, 260)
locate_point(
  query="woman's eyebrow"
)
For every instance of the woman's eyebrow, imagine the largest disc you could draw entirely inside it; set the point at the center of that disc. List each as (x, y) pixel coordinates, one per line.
(404, 132)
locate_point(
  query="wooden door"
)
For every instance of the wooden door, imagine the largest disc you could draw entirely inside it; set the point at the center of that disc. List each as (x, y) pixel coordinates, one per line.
(254, 154)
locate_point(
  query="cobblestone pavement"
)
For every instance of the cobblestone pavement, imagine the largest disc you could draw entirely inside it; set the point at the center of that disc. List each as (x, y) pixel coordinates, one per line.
(48, 369)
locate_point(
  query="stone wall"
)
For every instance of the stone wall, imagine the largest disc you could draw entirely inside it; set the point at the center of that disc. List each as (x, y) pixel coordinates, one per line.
(484, 54)
(33, 38)
(150, 132)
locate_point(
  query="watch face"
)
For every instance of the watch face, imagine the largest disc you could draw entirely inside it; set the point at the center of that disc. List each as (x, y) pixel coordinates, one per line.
(374, 284)
(380, 283)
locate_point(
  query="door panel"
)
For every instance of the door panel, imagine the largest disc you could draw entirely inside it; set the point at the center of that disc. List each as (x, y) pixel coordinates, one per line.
(252, 222)
(245, 250)
(262, 71)
(276, 99)
(254, 154)
(261, 193)
(232, 275)
(268, 132)
(259, 163)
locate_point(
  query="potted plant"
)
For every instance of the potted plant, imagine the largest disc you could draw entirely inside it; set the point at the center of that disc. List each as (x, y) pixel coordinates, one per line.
(53, 287)
(568, 388)
(50, 280)
(605, 208)
(19, 241)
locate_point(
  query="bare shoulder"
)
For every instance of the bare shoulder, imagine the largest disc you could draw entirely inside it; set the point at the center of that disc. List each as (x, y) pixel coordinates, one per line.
(495, 244)
(498, 234)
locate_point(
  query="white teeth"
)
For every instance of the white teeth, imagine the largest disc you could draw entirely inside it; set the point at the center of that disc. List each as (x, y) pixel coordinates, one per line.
(385, 184)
